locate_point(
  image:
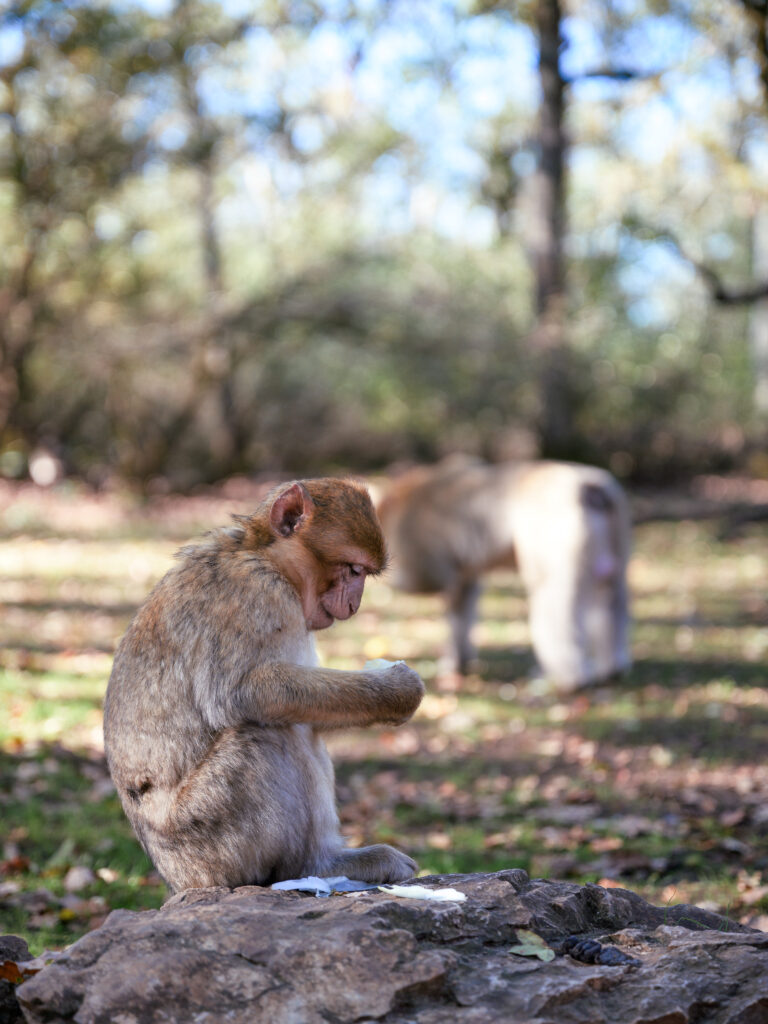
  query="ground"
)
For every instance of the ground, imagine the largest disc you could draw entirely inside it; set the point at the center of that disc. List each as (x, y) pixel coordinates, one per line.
(657, 782)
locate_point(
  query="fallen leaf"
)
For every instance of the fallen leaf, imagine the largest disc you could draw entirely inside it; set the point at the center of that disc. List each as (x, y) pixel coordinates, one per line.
(14, 865)
(9, 971)
(17, 971)
(531, 944)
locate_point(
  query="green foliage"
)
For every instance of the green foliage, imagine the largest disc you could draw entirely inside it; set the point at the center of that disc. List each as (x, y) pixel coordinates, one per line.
(222, 249)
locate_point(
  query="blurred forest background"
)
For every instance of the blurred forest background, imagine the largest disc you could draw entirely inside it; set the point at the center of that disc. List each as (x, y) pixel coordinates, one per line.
(294, 236)
(241, 240)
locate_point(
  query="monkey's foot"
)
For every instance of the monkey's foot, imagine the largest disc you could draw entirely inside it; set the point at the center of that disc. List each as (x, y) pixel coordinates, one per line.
(377, 865)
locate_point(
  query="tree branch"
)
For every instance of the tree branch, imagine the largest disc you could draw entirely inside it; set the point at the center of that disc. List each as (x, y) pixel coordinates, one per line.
(617, 74)
(719, 291)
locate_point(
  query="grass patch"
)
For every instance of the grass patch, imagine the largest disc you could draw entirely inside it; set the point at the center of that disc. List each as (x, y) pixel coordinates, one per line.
(657, 782)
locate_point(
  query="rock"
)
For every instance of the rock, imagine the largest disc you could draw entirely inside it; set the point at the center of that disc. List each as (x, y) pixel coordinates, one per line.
(11, 948)
(252, 955)
(78, 878)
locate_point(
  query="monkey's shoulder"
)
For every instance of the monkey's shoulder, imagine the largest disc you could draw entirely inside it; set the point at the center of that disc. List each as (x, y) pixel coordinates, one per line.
(214, 594)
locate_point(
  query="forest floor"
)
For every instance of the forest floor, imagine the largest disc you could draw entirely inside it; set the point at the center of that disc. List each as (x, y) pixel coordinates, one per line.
(657, 782)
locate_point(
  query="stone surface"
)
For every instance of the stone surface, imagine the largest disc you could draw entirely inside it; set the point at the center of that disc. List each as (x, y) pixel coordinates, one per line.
(78, 878)
(15, 949)
(251, 955)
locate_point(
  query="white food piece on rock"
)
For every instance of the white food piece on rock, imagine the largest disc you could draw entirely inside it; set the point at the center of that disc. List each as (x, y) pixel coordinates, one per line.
(420, 892)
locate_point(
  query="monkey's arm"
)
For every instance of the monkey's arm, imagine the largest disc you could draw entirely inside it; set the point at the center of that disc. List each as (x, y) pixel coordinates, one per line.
(277, 693)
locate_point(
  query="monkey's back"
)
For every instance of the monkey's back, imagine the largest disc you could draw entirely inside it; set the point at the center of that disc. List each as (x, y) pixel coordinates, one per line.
(460, 518)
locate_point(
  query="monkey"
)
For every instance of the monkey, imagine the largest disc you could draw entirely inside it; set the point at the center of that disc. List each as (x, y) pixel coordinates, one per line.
(564, 527)
(215, 705)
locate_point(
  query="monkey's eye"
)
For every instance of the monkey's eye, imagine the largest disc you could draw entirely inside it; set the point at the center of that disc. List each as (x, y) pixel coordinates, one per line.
(356, 570)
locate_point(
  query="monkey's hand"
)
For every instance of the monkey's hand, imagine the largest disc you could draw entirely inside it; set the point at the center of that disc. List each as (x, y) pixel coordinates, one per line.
(400, 691)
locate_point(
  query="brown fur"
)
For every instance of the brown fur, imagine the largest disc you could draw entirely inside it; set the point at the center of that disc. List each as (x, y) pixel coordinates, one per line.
(566, 528)
(215, 701)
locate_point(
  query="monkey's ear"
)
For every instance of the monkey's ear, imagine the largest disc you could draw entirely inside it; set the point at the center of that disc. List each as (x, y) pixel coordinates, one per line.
(291, 510)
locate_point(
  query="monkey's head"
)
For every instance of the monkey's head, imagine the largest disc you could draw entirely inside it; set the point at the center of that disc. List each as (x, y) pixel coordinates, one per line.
(325, 539)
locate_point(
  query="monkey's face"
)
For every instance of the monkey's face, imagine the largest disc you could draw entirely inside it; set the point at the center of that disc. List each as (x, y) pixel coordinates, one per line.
(339, 596)
(326, 543)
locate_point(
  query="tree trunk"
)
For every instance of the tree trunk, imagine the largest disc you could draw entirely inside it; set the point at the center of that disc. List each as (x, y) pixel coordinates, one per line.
(758, 313)
(548, 337)
(209, 233)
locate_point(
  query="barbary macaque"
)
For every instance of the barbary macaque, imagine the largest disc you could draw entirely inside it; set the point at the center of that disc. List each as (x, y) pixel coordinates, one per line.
(564, 527)
(215, 704)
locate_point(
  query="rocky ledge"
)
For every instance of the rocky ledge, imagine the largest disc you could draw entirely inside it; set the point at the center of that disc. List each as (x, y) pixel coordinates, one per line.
(252, 955)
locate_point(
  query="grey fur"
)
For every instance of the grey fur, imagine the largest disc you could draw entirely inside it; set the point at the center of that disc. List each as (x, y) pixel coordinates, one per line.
(212, 726)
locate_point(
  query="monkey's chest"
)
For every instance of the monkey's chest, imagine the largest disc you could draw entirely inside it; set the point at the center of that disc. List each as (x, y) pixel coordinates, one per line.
(310, 755)
(308, 776)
